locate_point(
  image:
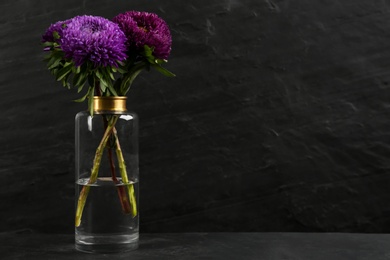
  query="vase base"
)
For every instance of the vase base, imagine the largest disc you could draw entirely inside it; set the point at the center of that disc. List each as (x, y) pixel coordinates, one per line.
(106, 244)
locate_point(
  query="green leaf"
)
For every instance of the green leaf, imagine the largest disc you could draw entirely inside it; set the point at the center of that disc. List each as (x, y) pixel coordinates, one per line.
(47, 57)
(121, 70)
(54, 71)
(79, 79)
(112, 90)
(148, 54)
(109, 73)
(53, 63)
(106, 82)
(128, 78)
(76, 79)
(129, 81)
(53, 58)
(121, 63)
(106, 74)
(103, 87)
(100, 76)
(156, 63)
(80, 88)
(64, 71)
(163, 71)
(50, 61)
(148, 51)
(48, 44)
(65, 82)
(75, 69)
(83, 97)
(82, 80)
(56, 35)
(58, 53)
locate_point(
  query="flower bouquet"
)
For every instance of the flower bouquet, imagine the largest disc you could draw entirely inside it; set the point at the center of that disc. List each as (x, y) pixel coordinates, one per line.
(101, 58)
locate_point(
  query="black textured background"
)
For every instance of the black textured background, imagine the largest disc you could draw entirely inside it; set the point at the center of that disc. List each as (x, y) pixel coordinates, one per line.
(278, 119)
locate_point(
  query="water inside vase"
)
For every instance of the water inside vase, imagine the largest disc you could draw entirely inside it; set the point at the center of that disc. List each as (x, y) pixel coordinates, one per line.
(104, 225)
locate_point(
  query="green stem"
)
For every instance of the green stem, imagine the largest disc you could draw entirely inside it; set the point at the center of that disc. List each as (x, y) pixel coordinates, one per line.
(123, 171)
(129, 77)
(125, 203)
(95, 170)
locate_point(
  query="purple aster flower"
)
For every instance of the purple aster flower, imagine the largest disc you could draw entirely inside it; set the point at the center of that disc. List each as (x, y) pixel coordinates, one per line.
(56, 27)
(142, 28)
(95, 39)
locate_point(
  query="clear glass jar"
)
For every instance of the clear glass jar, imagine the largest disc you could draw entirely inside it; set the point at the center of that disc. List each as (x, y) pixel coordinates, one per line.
(106, 201)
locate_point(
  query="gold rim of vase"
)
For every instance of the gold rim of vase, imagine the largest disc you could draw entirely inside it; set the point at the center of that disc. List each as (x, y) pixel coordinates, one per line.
(112, 104)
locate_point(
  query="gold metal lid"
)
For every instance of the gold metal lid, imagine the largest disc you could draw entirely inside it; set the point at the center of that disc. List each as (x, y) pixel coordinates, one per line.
(114, 104)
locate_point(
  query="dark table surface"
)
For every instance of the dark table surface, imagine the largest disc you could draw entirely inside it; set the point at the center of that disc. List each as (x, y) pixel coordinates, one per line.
(263, 246)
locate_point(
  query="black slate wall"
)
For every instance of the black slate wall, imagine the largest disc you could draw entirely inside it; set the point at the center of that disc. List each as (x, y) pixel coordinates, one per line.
(277, 120)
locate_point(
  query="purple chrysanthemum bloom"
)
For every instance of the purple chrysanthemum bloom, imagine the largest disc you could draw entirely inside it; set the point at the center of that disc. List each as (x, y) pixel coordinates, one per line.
(56, 27)
(95, 39)
(142, 28)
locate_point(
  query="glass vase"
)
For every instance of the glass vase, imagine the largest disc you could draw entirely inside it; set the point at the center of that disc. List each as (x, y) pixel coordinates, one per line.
(106, 201)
